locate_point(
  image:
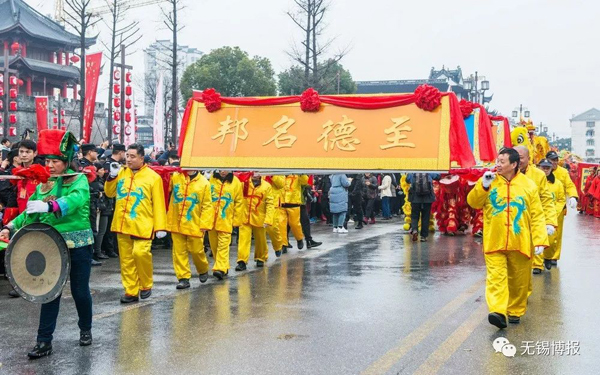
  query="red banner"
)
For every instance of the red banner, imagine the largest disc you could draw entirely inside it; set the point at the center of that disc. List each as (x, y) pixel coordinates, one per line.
(41, 111)
(92, 74)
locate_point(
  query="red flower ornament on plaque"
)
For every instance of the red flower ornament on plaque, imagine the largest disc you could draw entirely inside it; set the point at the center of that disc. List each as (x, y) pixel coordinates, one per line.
(428, 98)
(211, 99)
(310, 101)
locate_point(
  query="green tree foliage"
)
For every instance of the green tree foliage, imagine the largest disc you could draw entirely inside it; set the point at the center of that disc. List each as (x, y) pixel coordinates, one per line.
(292, 81)
(231, 72)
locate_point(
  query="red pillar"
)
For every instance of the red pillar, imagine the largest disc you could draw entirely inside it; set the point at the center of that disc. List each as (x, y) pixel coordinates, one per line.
(51, 57)
(24, 49)
(28, 86)
(60, 57)
(67, 58)
(75, 94)
(64, 91)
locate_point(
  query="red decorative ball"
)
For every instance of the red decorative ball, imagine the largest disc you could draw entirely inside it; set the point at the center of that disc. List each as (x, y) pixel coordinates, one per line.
(466, 108)
(310, 101)
(211, 99)
(428, 97)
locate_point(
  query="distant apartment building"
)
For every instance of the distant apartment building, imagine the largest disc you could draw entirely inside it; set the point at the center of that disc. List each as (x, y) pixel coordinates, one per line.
(585, 135)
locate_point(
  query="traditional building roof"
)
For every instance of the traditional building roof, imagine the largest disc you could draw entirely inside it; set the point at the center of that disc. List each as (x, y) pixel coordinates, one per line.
(589, 115)
(16, 14)
(455, 75)
(48, 68)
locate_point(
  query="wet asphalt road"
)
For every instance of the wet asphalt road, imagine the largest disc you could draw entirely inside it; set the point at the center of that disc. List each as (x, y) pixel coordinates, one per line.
(369, 302)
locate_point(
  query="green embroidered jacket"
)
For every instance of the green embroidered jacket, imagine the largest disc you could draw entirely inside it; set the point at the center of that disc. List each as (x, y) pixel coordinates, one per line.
(72, 221)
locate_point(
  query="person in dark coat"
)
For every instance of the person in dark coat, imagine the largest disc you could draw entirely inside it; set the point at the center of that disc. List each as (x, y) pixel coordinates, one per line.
(323, 188)
(109, 242)
(421, 196)
(371, 194)
(356, 192)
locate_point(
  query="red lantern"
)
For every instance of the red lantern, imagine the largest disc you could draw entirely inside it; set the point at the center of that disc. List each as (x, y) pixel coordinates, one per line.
(12, 131)
(128, 90)
(12, 118)
(63, 128)
(13, 81)
(62, 121)
(74, 59)
(128, 77)
(117, 116)
(116, 129)
(55, 127)
(1, 78)
(117, 75)
(20, 82)
(128, 117)
(117, 102)
(1, 89)
(55, 112)
(1, 106)
(128, 103)
(117, 88)
(55, 120)
(128, 130)
(62, 112)
(13, 93)
(1, 119)
(12, 106)
(15, 47)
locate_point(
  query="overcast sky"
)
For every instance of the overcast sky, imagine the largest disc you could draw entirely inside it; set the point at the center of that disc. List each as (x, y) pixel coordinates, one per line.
(539, 53)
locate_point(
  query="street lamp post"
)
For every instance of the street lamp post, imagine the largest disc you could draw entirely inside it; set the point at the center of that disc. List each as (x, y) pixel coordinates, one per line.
(471, 85)
(520, 112)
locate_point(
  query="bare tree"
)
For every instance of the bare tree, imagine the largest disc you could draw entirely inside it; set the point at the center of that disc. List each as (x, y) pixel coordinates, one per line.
(172, 23)
(126, 35)
(312, 56)
(78, 16)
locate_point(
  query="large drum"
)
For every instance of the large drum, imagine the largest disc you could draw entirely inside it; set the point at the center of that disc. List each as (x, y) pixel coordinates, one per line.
(37, 263)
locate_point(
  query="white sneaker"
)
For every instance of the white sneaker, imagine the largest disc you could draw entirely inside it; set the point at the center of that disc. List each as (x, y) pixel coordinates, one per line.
(335, 230)
(343, 230)
(350, 221)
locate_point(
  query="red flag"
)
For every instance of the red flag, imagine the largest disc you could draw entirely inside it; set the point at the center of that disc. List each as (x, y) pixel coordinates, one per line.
(41, 110)
(92, 74)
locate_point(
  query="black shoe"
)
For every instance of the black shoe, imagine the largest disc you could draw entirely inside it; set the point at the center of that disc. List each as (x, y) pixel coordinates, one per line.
(537, 271)
(126, 298)
(360, 226)
(554, 262)
(284, 250)
(514, 319)
(300, 245)
(145, 293)
(183, 284)
(41, 349)
(219, 274)
(13, 294)
(548, 264)
(112, 254)
(85, 338)
(241, 266)
(312, 243)
(203, 277)
(95, 263)
(498, 320)
(101, 256)
(278, 253)
(260, 263)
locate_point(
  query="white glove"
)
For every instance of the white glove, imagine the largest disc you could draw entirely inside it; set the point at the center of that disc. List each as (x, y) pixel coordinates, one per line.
(539, 250)
(161, 234)
(114, 169)
(35, 207)
(488, 177)
(573, 203)
(550, 229)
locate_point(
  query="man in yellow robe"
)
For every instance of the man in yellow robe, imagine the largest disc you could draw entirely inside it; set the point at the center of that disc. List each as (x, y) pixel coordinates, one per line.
(257, 215)
(514, 224)
(571, 195)
(140, 213)
(227, 198)
(290, 213)
(189, 217)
